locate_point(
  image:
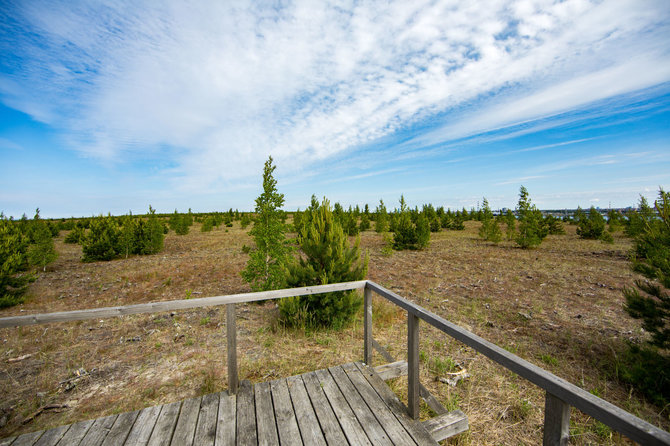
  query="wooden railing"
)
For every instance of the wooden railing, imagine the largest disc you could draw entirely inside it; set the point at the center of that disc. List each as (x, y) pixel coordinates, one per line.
(560, 395)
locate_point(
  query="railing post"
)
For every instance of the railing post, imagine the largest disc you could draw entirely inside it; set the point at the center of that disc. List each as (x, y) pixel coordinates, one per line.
(413, 365)
(367, 326)
(231, 337)
(556, 421)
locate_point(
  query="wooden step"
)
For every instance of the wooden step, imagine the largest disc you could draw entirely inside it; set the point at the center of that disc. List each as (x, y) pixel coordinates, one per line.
(391, 370)
(446, 425)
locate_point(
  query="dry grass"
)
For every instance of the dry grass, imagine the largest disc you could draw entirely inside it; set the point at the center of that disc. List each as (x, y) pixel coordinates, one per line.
(558, 306)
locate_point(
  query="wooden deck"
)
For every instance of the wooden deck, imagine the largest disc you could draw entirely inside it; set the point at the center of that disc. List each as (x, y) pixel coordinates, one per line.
(347, 404)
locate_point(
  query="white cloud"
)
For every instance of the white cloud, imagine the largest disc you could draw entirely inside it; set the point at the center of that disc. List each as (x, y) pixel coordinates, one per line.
(219, 86)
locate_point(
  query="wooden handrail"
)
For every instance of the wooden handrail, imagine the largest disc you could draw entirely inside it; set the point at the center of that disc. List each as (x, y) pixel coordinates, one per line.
(560, 394)
(560, 390)
(184, 304)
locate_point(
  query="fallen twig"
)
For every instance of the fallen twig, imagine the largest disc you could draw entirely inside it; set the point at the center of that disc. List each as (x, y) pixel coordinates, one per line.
(20, 358)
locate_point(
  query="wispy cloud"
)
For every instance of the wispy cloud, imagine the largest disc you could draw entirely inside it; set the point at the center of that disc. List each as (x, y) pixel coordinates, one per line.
(219, 86)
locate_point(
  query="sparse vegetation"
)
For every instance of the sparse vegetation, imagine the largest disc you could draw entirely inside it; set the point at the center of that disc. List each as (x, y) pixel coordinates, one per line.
(571, 288)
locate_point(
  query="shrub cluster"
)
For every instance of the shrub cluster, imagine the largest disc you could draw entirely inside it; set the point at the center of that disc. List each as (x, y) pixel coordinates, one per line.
(109, 238)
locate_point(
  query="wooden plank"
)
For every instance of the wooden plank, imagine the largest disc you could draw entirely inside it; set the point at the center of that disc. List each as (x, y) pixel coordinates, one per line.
(246, 415)
(556, 421)
(382, 351)
(76, 432)
(121, 428)
(414, 428)
(226, 420)
(184, 430)
(367, 326)
(391, 370)
(324, 413)
(231, 341)
(98, 431)
(350, 426)
(287, 425)
(395, 431)
(28, 439)
(51, 436)
(413, 366)
(205, 431)
(143, 426)
(266, 426)
(310, 431)
(371, 426)
(447, 425)
(618, 419)
(156, 307)
(7, 441)
(165, 424)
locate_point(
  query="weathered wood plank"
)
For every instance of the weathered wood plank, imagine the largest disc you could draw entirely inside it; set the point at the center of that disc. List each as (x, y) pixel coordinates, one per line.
(324, 413)
(373, 429)
(415, 429)
(75, 433)
(98, 431)
(391, 370)
(28, 439)
(266, 425)
(618, 419)
(350, 426)
(387, 356)
(231, 342)
(310, 431)
(51, 436)
(165, 424)
(185, 304)
(556, 421)
(226, 420)
(413, 366)
(121, 428)
(367, 326)
(246, 415)
(446, 425)
(287, 425)
(395, 431)
(205, 431)
(7, 441)
(184, 430)
(143, 426)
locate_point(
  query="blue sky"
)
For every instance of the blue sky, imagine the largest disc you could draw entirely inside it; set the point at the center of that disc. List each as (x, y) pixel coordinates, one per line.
(113, 106)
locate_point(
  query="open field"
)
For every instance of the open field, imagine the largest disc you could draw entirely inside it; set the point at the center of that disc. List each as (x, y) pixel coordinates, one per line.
(558, 306)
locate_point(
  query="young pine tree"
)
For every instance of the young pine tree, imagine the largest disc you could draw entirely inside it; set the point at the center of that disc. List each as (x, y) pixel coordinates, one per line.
(328, 258)
(406, 233)
(381, 218)
(510, 223)
(531, 227)
(154, 235)
(650, 300)
(638, 220)
(489, 229)
(13, 263)
(42, 250)
(648, 367)
(266, 268)
(102, 240)
(593, 226)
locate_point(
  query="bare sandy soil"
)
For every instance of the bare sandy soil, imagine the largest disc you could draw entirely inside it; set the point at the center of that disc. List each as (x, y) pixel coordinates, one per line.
(558, 306)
